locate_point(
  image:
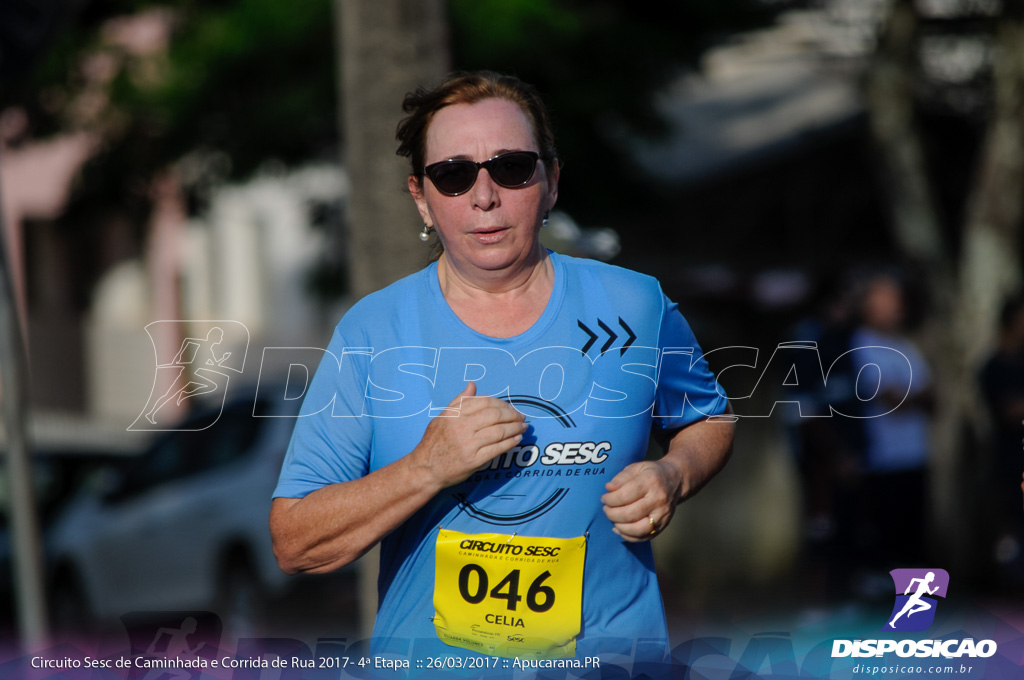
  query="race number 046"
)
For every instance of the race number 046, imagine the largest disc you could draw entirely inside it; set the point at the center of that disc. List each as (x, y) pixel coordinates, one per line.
(539, 597)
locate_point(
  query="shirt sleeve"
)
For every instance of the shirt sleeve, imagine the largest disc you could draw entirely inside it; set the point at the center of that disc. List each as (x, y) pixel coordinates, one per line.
(687, 390)
(332, 438)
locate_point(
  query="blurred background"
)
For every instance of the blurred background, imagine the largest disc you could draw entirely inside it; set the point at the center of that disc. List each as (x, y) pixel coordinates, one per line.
(804, 177)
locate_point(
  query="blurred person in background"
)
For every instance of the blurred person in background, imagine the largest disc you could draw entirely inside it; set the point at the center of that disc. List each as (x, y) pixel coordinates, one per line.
(896, 444)
(439, 493)
(829, 447)
(1002, 385)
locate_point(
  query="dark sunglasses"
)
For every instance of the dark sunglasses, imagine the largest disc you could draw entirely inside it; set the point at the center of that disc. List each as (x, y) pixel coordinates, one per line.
(510, 170)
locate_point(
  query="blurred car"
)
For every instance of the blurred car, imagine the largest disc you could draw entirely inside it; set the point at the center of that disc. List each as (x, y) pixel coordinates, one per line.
(65, 451)
(183, 526)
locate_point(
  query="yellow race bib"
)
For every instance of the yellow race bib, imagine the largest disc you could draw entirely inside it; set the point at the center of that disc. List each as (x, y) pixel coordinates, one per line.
(514, 596)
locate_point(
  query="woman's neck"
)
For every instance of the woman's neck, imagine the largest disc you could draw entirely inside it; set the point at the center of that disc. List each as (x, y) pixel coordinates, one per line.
(498, 303)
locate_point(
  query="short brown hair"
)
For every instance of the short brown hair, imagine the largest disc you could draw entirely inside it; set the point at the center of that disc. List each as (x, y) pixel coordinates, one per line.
(470, 87)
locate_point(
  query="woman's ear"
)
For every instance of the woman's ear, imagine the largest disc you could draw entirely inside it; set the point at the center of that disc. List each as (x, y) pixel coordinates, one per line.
(419, 197)
(553, 175)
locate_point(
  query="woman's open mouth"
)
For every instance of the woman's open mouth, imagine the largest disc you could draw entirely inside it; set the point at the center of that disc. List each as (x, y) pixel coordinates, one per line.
(487, 235)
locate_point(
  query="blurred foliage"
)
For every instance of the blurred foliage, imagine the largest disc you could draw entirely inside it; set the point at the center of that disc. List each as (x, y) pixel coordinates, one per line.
(253, 79)
(598, 65)
(247, 82)
(256, 79)
(26, 26)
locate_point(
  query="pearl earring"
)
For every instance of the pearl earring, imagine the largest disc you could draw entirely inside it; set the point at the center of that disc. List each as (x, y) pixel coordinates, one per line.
(425, 234)
(544, 220)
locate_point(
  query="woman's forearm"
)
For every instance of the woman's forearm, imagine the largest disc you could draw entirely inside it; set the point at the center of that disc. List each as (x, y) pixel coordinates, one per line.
(698, 452)
(336, 524)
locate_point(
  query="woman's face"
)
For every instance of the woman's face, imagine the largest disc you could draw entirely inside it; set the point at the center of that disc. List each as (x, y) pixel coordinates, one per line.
(489, 227)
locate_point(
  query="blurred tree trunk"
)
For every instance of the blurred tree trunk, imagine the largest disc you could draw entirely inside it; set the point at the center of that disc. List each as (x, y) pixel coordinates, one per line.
(385, 49)
(988, 261)
(26, 555)
(969, 285)
(890, 95)
(988, 270)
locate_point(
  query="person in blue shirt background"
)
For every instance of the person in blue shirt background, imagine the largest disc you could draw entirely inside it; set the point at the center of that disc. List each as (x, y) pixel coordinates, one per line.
(469, 420)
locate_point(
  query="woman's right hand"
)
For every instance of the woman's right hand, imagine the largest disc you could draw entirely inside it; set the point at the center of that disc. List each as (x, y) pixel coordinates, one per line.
(455, 445)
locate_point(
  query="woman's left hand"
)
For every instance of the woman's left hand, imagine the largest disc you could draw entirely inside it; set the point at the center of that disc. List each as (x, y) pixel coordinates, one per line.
(643, 496)
(641, 499)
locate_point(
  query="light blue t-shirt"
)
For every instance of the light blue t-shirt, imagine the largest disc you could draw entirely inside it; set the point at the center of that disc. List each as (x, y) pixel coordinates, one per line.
(898, 440)
(610, 358)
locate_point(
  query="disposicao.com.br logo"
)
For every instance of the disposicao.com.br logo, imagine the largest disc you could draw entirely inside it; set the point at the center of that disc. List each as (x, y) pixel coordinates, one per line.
(914, 609)
(916, 593)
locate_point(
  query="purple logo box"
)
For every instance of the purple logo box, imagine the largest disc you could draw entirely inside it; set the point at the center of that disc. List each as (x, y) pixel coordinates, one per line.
(916, 593)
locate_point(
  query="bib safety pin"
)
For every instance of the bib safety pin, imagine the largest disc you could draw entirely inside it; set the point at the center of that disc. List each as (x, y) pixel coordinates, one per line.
(586, 535)
(511, 537)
